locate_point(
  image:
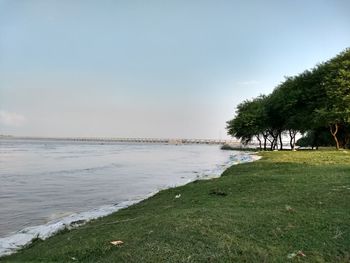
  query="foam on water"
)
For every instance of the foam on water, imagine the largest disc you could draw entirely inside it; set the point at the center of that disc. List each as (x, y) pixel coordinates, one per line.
(12, 243)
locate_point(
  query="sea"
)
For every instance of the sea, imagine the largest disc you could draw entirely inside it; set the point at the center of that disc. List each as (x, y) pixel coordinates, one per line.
(48, 185)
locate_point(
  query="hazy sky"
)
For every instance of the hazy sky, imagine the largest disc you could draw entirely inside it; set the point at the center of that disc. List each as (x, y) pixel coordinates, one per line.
(153, 68)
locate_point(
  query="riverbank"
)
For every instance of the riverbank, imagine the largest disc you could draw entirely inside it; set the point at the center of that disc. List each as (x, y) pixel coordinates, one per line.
(289, 205)
(124, 182)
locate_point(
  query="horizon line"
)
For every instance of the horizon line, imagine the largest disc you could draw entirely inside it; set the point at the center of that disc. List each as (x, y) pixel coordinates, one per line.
(103, 138)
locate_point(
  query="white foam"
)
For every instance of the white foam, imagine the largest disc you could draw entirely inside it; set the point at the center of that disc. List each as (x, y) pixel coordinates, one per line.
(12, 243)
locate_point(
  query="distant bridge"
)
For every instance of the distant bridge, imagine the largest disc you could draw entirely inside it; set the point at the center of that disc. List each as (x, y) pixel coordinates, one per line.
(131, 140)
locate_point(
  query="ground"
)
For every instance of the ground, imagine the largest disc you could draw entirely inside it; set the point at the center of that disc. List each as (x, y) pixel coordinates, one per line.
(287, 207)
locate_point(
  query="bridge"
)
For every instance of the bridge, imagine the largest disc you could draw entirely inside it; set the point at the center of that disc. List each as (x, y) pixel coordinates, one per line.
(130, 140)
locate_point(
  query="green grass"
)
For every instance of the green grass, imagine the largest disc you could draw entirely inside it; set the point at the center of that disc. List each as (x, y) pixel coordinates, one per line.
(256, 212)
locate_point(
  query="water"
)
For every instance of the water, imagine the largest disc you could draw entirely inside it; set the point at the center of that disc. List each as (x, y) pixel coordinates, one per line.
(46, 181)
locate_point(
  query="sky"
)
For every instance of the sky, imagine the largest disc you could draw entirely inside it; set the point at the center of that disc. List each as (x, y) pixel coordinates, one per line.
(160, 69)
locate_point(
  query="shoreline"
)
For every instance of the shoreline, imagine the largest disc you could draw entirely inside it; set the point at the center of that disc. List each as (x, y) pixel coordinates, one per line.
(286, 206)
(16, 241)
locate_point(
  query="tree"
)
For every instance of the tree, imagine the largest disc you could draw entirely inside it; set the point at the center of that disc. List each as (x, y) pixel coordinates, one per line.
(335, 112)
(249, 121)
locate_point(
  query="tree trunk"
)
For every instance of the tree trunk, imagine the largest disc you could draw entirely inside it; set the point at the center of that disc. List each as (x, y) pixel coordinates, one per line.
(275, 146)
(292, 135)
(294, 141)
(265, 143)
(258, 137)
(272, 144)
(265, 135)
(334, 133)
(280, 137)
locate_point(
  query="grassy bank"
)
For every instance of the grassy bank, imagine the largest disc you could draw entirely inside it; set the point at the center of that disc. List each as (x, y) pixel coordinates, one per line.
(265, 211)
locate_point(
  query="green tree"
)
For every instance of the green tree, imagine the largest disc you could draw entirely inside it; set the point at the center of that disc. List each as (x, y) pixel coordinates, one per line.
(249, 122)
(307, 103)
(335, 112)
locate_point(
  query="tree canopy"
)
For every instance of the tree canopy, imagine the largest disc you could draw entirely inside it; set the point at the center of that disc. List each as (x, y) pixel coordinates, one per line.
(310, 103)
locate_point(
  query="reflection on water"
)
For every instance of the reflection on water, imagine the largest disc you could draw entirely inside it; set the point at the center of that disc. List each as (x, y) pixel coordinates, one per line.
(44, 180)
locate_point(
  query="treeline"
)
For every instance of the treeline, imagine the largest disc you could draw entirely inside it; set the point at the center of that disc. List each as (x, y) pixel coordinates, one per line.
(315, 103)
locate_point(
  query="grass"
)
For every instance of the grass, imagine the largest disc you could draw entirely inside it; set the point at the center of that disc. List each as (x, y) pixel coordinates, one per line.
(256, 212)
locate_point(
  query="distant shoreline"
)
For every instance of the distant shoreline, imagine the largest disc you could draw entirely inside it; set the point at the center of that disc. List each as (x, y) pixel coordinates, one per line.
(126, 140)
